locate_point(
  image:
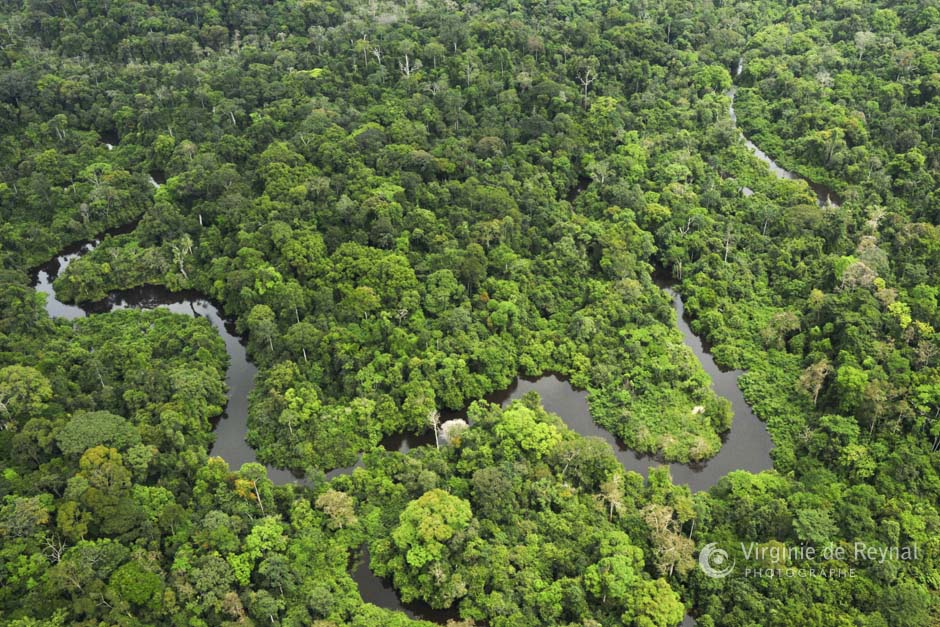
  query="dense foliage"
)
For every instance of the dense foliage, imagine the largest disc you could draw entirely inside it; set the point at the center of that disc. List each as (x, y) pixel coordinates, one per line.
(404, 206)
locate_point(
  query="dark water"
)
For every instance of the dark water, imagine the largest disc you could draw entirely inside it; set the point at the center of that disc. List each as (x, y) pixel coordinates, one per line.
(231, 429)
(747, 446)
(824, 196)
(404, 442)
(47, 273)
(109, 138)
(380, 592)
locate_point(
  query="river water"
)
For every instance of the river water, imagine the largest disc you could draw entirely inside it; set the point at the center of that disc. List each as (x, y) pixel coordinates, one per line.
(746, 446)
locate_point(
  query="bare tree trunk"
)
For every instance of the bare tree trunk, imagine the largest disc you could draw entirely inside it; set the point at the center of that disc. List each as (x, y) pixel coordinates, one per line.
(258, 496)
(434, 419)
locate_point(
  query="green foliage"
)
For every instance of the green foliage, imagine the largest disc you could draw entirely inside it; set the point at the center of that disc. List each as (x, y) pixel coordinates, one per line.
(427, 523)
(522, 539)
(521, 433)
(404, 206)
(138, 586)
(88, 429)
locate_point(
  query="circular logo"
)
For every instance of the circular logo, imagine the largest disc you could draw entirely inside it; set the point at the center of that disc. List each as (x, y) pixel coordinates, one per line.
(714, 561)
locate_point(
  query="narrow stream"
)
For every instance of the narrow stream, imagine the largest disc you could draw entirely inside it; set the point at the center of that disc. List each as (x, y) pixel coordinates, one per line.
(824, 196)
(377, 591)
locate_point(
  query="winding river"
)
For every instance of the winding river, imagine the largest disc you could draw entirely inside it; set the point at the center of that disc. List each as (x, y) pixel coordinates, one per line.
(747, 446)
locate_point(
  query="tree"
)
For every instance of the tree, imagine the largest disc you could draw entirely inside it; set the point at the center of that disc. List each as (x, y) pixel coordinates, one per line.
(441, 292)
(815, 526)
(89, 429)
(857, 274)
(521, 432)
(425, 547)
(252, 485)
(434, 421)
(303, 407)
(361, 303)
(24, 392)
(612, 494)
(427, 524)
(263, 325)
(653, 604)
(85, 566)
(586, 74)
(610, 578)
(906, 604)
(339, 507)
(137, 585)
(302, 335)
(619, 570)
(104, 470)
(473, 268)
(781, 324)
(673, 550)
(850, 386)
(813, 378)
(180, 251)
(863, 41)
